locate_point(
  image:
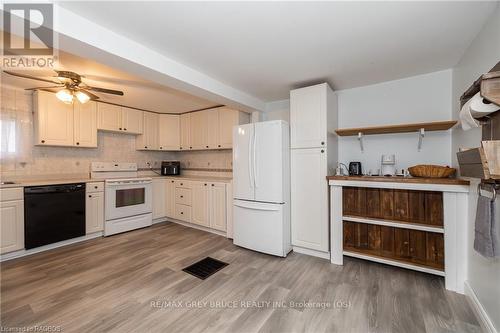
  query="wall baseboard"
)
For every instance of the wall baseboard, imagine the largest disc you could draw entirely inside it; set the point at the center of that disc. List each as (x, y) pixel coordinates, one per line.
(482, 315)
(309, 252)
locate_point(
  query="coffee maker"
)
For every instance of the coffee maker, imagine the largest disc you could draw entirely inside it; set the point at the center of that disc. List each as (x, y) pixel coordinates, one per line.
(388, 165)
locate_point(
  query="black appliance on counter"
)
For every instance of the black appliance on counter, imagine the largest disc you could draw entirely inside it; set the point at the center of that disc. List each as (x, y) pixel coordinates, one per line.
(170, 168)
(355, 169)
(53, 213)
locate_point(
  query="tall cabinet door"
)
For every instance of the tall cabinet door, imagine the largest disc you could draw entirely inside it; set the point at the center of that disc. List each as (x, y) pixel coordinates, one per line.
(149, 139)
(217, 204)
(185, 131)
(94, 212)
(85, 124)
(211, 127)
(197, 130)
(11, 226)
(159, 188)
(309, 199)
(308, 111)
(55, 120)
(243, 162)
(199, 210)
(170, 198)
(169, 132)
(227, 119)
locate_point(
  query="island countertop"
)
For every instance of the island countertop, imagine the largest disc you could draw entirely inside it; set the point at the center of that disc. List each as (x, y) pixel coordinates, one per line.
(400, 179)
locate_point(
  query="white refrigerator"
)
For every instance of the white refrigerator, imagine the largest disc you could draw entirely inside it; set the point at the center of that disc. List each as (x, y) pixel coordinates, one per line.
(261, 187)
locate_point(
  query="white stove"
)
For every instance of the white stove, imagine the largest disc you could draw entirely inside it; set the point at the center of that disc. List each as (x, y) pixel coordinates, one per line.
(128, 198)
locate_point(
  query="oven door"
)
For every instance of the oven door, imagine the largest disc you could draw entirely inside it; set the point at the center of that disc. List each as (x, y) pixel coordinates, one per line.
(127, 197)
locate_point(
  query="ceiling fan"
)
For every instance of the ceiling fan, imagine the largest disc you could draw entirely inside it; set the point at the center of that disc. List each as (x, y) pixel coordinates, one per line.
(72, 87)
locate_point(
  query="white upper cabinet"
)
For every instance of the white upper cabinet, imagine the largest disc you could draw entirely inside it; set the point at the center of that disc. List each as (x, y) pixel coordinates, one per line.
(169, 132)
(132, 120)
(312, 114)
(60, 124)
(185, 131)
(228, 118)
(198, 127)
(109, 117)
(85, 124)
(211, 133)
(149, 139)
(115, 118)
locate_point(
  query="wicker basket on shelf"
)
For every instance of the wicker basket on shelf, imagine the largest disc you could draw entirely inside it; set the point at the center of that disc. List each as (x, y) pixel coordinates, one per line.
(431, 171)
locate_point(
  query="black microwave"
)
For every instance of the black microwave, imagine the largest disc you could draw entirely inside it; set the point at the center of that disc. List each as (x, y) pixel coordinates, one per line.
(170, 168)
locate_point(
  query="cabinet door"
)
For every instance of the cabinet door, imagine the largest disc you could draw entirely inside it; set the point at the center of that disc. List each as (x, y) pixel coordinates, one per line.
(218, 206)
(170, 198)
(132, 121)
(169, 132)
(227, 119)
(199, 203)
(148, 140)
(11, 226)
(159, 207)
(109, 117)
(197, 130)
(185, 131)
(94, 212)
(308, 117)
(54, 120)
(85, 124)
(211, 129)
(309, 199)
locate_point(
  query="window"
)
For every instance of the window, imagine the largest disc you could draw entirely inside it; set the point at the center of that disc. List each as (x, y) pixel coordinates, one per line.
(7, 137)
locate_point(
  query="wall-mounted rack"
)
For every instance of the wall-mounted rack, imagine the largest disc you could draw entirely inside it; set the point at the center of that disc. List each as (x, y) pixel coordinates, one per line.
(419, 128)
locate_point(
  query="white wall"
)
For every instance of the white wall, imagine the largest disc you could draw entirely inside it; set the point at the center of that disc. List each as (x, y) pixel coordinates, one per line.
(278, 110)
(420, 98)
(484, 52)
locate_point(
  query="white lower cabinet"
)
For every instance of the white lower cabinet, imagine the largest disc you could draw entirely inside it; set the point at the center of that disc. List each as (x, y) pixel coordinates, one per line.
(309, 199)
(200, 204)
(218, 206)
(159, 198)
(94, 208)
(11, 220)
(170, 198)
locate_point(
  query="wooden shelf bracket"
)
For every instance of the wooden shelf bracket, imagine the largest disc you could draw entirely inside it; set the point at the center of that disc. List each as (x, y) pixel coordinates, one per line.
(360, 139)
(421, 134)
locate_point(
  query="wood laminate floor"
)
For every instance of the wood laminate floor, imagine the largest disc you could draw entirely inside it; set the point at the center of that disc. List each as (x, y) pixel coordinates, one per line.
(134, 282)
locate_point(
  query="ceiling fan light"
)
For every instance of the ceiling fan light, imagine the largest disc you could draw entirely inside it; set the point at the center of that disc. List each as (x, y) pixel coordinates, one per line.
(82, 97)
(65, 96)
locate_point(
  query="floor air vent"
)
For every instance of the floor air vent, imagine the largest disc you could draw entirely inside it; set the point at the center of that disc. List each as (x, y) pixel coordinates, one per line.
(205, 267)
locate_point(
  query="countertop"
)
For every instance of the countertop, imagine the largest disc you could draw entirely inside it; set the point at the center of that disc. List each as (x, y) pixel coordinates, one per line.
(42, 182)
(397, 179)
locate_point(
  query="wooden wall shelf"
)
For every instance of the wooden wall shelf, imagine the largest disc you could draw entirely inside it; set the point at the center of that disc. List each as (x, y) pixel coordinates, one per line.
(401, 128)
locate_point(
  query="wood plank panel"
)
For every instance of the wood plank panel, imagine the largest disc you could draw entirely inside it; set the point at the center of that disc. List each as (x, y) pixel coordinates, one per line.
(435, 250)
(402, 243)
(374, 239)
(434, 208)
(372, 202)
(387, 241)
(418, 246)
(349, 234)
(387, 204)
(401, 207)
(416, 206)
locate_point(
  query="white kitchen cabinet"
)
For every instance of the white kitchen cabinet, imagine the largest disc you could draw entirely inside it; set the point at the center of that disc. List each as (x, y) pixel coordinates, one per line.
(85, 124)
(217, 206)
(170, 198)
(115, 118)
(53, 120)
(198, 128)
(309, 199)
(149, 139)
(94, 211)
(312, 115)
(11, 220)
(169, 132)
(185, 131)
(132, 120)
(211, 132)
(200, 203)
(228, 118)
(60, 124)
(159, 198)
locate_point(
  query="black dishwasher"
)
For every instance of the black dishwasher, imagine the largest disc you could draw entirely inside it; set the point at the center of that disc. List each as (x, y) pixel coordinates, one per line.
(53, 213)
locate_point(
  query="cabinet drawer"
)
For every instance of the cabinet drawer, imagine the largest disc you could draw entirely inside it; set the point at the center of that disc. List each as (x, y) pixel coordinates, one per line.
(183, 212)
(7, 194)
(183, 183)
(95, 187)
(183, 196)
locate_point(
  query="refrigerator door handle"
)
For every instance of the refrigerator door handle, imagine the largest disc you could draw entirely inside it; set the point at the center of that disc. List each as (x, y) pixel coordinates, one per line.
(255, 206)
(250, 161)
(255, 175)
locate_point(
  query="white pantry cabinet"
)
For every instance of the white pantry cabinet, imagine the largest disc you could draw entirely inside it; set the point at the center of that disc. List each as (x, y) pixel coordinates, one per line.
(11, 220)
(159, 198)
(309, 199)
(169, 132)
(115, 118)
(200, 204)
(218, 206)
(149, 139)
(60, 124)
(94, 207)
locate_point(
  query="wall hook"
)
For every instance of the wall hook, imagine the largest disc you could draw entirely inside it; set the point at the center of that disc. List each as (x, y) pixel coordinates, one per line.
(421, 135)
(360, 138)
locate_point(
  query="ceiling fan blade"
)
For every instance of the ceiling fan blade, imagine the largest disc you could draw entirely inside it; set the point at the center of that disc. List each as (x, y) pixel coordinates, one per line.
(30, 77)
(106, 91)
(40, 88)
(91, 95)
